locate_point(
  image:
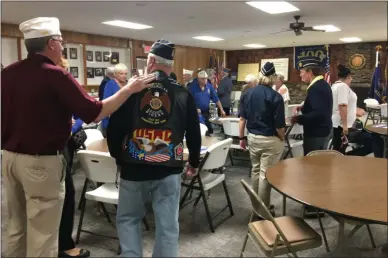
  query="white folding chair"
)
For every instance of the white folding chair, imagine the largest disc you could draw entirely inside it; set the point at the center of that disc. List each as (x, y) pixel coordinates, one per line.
(291, 109)
(383, 112)
(214, 159)
(99, 167)
(373, 108)
(293, 133)
(92, 135)
(203, 129)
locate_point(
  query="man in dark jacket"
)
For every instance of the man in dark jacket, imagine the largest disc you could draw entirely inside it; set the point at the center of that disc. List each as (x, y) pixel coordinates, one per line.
(316, 111)
(317, 108)
(146, 137)
(225, 90)
(109, 76)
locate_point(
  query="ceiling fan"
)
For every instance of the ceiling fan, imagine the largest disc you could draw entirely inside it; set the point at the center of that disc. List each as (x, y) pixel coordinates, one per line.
(298, 27)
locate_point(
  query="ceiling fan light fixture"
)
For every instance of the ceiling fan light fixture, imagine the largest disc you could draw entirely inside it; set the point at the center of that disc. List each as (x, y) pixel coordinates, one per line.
(327, 28)
(350, 39)
(208, 38)
(254, 46)
(275, 7)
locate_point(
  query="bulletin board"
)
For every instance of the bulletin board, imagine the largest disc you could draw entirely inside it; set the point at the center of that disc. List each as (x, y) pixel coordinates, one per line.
(99, 58)
(9, 51)
(245, 69)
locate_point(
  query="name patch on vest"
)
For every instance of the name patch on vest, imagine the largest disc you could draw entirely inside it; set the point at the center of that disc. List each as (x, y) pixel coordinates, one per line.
(155, 105)
(152, 145)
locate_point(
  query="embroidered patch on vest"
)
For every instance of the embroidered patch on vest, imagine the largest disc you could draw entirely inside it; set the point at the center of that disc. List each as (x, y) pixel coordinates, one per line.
(152, 145)
(155, 105)
(178, 150)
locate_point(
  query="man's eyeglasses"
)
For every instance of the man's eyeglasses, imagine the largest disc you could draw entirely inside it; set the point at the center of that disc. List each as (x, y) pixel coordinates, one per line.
(63, 43)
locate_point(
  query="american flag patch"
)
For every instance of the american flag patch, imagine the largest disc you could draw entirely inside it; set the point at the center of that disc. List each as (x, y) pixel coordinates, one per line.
(157, 158)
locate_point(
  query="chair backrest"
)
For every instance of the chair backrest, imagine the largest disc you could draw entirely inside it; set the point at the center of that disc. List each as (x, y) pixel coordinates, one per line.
(203, 129)
(92, 136)
(216, 155)
(231, 126)
(98, 166)
(371, 102)
(258, 203)
(324, 152)
(296, 129)
(384, 111)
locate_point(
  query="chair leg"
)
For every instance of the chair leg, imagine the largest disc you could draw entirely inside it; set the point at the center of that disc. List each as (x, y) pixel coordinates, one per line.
(250, 170)
(230, 157)
(209, 218)
(80, 221)
(244, 245)
(197, 200)
(323, 232)
(284, 205)
(371, 236)
(105, 212)
(83, 193)
(119, 250)
(228, 198)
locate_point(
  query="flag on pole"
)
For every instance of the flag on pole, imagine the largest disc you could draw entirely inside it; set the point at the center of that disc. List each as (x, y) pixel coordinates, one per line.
(327, 66)
(376, 91)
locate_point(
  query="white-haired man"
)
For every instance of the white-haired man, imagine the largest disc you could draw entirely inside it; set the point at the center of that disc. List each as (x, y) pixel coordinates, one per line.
(146, 137)
(120, 73)
(109, 76)
(187, 78)
(283, 90)
(36, 124)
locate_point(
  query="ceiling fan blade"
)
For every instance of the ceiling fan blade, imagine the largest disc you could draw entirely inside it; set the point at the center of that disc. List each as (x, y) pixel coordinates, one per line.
(281, 31)
(311, 29)
(298, 32)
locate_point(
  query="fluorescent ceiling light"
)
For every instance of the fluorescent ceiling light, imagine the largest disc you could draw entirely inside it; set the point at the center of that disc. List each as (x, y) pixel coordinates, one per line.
(274, 7)
(351, 39)
(254, 45)
(327, 28)
(128, 25)
(208, 38)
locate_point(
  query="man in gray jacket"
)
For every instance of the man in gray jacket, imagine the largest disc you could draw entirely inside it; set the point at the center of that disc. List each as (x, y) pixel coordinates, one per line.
(225, 90)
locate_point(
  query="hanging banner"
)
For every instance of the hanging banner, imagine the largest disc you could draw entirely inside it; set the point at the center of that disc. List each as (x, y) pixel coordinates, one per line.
(303, 52)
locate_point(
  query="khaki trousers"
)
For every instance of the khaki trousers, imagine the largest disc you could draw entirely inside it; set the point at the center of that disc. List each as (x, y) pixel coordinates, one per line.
(34, 194)
(264, 152)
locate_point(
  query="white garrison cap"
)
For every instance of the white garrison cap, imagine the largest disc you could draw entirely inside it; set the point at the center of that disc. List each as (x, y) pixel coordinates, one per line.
(187, 72)
(40, 27)
(202, 74)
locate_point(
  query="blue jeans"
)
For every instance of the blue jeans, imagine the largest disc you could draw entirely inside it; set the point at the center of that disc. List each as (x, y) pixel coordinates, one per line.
(131, 210)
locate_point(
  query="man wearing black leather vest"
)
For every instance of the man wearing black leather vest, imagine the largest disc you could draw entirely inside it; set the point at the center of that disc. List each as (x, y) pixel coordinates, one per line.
(146, 137)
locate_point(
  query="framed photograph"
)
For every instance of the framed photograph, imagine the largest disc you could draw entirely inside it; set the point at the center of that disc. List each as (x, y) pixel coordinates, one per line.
(115, 58)
(73, 53)
(104, 72)
(90, 72)
(74, 71)
(106, 56)
(98, 72)
(98, 56)
(89, 56)
(64, 53)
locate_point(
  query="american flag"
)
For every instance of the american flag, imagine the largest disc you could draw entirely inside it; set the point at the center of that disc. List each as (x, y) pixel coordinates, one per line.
(327, 66)
(157, 158)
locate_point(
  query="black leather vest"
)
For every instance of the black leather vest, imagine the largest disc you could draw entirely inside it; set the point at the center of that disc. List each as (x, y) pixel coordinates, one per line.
(159, 124)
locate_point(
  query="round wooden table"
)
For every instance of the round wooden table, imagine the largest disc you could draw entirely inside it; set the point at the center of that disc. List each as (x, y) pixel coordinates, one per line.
(355, 187)
(382, 130)
(102, 145)
(217, 120)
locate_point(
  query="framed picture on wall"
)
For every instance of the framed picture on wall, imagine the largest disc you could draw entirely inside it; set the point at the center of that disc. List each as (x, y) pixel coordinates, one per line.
(64, 53)
(106, 56)
(115, 58)
(90, 71)
(98, 72)
(104, 72)
(89, 56)
(73, 53)
(98, 56)
(74, 71)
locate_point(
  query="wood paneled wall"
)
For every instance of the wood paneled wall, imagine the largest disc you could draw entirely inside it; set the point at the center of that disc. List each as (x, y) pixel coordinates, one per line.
(186, 57)
(339, 54)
